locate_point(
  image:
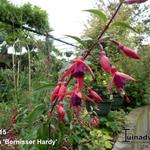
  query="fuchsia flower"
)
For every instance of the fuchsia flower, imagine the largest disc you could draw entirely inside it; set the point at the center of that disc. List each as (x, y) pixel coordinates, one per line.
(94, 95)
(61, 111)
(62, 91)
(77, 96)
(127, 51)
(127, 99)
(118, 79)
(77, 70)
(135, 1)
(75, 100)
(88, 124)
(13, 120)
(59, 91)
(12, 138)
(105, 62)
(95, 121)
(55, 91)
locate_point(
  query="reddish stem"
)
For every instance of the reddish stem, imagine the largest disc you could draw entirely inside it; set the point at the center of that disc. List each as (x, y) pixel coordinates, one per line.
(103, 31)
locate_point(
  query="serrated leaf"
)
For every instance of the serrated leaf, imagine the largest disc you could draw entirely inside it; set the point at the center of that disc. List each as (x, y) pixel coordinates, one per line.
(77, 39)
(123, 25)
(99, 13)
(38, 110)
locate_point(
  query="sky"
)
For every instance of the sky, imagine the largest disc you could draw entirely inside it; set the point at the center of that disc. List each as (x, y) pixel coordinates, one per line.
(66, 17)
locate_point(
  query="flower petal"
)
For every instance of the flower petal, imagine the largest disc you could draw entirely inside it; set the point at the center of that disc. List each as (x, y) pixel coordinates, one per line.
(86, 66)
(69, 71)
(110, 83)
(95, 95)
(88, 98)
(125, 76)
(62, 91)
(61, 112)
(127, 51)
(80, 83)
(55, 91)
(118, 88)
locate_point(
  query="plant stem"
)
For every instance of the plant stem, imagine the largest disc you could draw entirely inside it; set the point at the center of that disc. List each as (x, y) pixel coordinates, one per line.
(14, 76)
(103, 31)
(18, 73)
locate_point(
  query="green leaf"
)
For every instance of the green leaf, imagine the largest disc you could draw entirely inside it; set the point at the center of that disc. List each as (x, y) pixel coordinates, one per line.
(99, 13)
(42, 132)
(36, 113)
(62, 130)
(124, 25)
(75, 138)
(108, 145)
(77, 39)
(44, 86)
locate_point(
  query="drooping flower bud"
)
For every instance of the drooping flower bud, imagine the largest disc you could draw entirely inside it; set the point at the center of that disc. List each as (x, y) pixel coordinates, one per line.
(61, 111)
(135, 1)
(105, 62)
(126, 50)
(55, 91)
(95, 121)
(94, 95)
(62, 91)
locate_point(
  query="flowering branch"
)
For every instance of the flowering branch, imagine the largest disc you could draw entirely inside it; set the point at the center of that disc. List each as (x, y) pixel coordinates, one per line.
(77, 71)
(93, 46)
